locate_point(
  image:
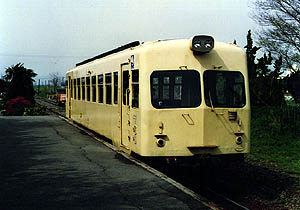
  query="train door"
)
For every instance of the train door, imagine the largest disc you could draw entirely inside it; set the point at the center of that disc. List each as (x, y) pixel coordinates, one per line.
(125, 107)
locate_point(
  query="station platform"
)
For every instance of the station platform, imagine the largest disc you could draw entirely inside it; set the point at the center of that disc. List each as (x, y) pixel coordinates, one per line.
(46, 163)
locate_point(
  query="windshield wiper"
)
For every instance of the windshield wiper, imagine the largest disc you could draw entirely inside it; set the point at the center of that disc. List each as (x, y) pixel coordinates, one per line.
(211, 103)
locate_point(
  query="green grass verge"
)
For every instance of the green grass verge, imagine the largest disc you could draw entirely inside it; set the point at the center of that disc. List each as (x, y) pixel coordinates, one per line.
(275, 136)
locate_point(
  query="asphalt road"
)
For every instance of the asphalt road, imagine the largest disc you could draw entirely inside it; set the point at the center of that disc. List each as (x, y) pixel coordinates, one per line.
(45, 163)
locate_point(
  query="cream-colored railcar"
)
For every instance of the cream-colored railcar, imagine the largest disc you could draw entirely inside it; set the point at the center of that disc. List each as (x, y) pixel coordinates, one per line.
(165, 98)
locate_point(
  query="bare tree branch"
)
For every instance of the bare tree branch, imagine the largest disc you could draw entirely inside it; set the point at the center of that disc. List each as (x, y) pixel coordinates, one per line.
(280, 24)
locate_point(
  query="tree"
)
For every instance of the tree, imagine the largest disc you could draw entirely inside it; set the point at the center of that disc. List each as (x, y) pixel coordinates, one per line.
(251, 55)
(20, 82)
(55, 80)
(293, 85)
(279, 34)
(2, 85)
(266, 88)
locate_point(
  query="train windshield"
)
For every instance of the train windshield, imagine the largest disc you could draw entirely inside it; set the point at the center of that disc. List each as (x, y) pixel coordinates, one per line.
(61, 91)
(224, 89)
(175, 89)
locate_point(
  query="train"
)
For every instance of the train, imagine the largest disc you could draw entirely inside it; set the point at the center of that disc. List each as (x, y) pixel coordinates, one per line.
(165, 98)
(61, 96)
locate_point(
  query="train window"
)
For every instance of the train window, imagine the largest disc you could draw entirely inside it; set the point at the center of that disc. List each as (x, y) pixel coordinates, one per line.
(135, 75)
(108, 87)
(67, 85)
(155, 88)
(74, 88)
(83, 88)
(94, 88)
(135, 88)
(178, 88)
(175, 89)
(125, 87)
(78, 88)
(88, 89)
(224, 89)
(71, 88)
(100, 88)
(115, 87)
(166, 88)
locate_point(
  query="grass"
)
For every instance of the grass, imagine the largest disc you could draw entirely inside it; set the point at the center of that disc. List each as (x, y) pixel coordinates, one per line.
(275, 136)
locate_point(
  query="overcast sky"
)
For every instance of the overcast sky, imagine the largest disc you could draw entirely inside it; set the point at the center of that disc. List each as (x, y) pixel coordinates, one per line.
(51, 36)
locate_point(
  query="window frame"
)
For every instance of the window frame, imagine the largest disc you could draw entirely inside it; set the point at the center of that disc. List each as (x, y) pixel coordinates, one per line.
(164, 87)
(208, 97)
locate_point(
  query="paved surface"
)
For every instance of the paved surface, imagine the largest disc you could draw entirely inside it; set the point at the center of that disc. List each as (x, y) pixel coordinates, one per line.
(45, 163)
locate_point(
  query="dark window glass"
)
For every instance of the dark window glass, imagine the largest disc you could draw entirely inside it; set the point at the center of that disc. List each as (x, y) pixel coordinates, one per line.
(78, 88)
(178, 88)
(88, 90)
(61, 91)
(100, 88)
(125, 87)
(135, 88)
(166, 88)
(71, 88)
(68, 86)
(135, 75)
(83, 88)
(175, 89)
(108, 88)
(155, 88)
(224, 89)
(135, 95)
(115, 87)
(94, 88)
(75, 88)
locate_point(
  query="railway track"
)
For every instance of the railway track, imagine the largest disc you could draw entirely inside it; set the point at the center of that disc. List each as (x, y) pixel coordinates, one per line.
(197, 182)
(51, 106)
(206, 184)
(229, 203)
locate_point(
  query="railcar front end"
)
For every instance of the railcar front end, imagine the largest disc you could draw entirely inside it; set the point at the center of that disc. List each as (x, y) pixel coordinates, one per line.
(198, 100)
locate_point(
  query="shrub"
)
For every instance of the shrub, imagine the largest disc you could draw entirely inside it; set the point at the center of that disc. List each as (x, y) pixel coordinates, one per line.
(16, 106)
(37, 110)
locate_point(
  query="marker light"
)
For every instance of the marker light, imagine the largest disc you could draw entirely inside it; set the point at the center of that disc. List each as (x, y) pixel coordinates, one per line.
(202, 44)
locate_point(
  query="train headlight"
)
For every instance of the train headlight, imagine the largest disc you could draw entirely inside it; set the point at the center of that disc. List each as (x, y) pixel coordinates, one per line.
(208, 45)
(202, 44)
(160, 142)
(239, 140)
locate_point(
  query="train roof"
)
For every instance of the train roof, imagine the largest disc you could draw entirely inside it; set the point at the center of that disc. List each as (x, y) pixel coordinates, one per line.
(138, 43)
(119, 49)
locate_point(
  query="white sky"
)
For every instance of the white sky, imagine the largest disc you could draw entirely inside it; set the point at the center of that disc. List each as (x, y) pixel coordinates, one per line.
(51, 36)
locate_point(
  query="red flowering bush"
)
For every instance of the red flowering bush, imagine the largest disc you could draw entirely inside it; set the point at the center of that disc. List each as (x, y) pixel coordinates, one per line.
(16, 106)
